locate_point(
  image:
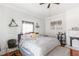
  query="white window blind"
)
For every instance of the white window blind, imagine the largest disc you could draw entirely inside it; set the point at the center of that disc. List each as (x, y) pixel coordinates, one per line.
(28, 27)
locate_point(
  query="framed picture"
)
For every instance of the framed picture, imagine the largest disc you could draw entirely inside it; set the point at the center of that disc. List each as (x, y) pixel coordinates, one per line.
(52, 24)
(59, 22)
(56, 24)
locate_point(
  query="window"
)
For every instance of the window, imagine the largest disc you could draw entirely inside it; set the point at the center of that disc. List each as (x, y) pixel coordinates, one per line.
(27, 27)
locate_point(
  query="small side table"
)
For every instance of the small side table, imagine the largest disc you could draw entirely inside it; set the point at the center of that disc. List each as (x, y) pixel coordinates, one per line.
(12, 49)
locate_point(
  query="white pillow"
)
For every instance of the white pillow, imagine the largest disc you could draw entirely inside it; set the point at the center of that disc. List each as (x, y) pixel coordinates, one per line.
(24, 36)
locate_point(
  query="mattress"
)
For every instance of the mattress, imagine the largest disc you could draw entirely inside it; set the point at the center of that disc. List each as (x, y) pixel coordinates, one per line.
(38, 47)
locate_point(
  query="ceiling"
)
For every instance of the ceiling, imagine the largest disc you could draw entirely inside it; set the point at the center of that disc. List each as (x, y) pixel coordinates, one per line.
(41, 11)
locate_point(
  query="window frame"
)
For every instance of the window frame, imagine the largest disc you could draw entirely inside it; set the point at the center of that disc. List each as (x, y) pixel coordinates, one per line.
(29, 23)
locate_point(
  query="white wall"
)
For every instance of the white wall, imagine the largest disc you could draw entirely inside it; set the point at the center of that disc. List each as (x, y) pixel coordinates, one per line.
(72, 20)
(48, 29)
(6, 32)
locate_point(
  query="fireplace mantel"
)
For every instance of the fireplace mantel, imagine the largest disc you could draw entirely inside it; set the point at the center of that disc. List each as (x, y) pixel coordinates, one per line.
(73, 38)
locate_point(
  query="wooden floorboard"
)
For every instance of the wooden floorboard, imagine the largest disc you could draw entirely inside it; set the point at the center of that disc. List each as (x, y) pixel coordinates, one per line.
(13, 53)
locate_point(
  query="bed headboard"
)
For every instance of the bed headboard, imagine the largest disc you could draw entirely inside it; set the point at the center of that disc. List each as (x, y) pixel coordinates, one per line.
(19, 37)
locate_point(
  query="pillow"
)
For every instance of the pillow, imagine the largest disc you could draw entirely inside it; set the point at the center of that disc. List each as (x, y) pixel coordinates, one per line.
(24, 36)
(33, 35)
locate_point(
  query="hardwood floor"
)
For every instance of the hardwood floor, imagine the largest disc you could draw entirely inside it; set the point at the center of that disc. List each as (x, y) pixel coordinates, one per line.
(13, 53)
(58, 51)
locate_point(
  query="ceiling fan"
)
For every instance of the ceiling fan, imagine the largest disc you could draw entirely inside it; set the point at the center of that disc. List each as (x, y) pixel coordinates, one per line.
(49, 4)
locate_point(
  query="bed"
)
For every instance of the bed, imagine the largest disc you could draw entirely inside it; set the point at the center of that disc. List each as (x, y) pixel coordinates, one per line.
(39, 46)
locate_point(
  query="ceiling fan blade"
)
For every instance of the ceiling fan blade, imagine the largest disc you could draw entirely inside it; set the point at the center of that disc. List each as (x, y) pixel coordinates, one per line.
(57, 3)
(42, 3)
(48, 5)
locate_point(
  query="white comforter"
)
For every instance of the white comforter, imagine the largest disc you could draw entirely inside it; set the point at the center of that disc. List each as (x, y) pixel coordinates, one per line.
(41, 46)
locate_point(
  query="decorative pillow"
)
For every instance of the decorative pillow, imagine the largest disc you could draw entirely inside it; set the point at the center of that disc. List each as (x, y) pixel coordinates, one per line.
(33, 35)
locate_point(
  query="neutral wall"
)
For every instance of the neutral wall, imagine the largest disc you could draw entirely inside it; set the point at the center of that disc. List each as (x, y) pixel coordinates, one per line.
(6, 32)
(72, 20)
(53, 32)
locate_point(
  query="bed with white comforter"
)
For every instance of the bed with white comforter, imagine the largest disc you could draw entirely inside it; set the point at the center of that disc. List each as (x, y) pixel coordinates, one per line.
(39, 46)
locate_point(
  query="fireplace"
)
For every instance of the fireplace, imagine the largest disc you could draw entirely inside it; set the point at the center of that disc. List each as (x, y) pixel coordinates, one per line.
(73, 38)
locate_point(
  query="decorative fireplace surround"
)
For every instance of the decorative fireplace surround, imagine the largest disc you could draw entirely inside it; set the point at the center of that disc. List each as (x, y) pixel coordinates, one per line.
(74, 43)
(73, 38)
